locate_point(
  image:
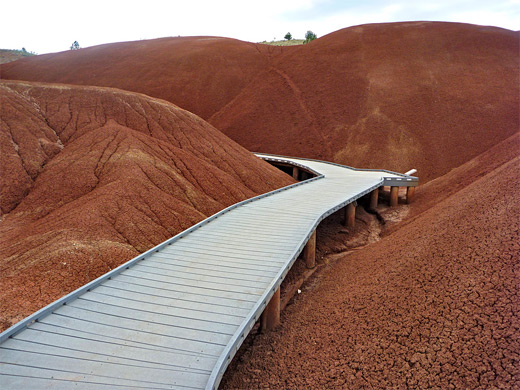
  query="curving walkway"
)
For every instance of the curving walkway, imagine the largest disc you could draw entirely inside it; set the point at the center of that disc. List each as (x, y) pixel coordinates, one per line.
(173, 317)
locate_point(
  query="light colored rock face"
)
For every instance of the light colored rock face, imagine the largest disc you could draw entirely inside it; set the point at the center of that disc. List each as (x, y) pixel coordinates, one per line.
(427, 95)
(92, 176)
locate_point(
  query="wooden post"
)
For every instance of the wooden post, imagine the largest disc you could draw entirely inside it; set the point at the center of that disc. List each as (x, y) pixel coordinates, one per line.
(410, 192)
(270, 318)
(309, 251)
(394, 196)
(350, 214)
(295, 172)
(374, 197)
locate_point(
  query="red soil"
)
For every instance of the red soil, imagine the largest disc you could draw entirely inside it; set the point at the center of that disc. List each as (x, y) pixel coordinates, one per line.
(397, 96)
(434, 304)
(92, 176)
(199, 74)
(425, 95)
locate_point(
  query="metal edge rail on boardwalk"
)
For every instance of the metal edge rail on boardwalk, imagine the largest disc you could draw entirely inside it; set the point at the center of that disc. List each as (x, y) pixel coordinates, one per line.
(232, 345)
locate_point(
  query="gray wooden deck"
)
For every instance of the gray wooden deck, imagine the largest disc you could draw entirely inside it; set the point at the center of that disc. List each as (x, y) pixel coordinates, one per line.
(174, 317)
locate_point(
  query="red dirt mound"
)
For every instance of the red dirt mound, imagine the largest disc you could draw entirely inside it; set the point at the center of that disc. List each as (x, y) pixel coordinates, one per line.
(435, 304)
(7, 55)
(425, 95)
(93, 176)
(199, 74)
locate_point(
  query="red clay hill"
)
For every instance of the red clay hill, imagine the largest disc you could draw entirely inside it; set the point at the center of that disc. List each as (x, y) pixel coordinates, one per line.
(429, 96)
(422, 94)
(199, 74)
(93, 176)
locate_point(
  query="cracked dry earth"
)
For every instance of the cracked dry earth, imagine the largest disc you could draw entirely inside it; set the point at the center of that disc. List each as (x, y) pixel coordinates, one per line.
(435, 304)
(92, 176)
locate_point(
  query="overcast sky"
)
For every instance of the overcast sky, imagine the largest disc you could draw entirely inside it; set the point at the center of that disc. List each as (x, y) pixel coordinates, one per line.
(52, 25)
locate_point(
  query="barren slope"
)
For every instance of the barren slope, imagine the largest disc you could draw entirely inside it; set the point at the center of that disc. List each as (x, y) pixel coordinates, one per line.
(424, 95)
(199, 74)
(400, 95)
(92, 176)
(435, 304)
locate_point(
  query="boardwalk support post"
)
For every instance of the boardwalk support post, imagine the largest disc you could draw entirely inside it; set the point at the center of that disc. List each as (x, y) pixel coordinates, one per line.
(394, 196)
(349, 218)
(374, 197)
(410, 192)
(309, 251)
(351, 214)
(270, 318)
(295, 172)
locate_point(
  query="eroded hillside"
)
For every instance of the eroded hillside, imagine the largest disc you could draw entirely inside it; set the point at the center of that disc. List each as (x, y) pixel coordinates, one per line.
(91, 177)
(426, 95)
(429, 96)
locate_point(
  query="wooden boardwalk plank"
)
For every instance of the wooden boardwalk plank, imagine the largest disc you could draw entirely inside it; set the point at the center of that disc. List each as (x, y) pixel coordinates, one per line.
(213, 285)
(201, 271)
(184, 334)
(37, 341)
(141, 311)
(128, 334)
(111, 372)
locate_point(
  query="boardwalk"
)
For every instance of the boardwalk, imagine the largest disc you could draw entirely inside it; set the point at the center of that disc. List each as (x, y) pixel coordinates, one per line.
(174, 317)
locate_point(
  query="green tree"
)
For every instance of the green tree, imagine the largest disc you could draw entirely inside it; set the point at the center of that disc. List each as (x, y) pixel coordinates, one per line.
(288, 36)
(310, 36)
(74, 46)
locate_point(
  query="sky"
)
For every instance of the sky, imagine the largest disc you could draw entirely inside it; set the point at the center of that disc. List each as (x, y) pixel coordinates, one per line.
(53, 25)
